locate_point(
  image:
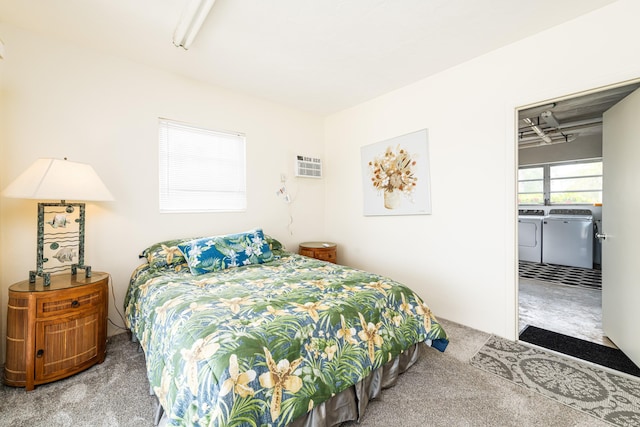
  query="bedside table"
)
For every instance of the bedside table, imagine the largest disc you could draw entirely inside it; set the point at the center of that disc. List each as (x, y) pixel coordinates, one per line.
(55, 331)
(325, 251)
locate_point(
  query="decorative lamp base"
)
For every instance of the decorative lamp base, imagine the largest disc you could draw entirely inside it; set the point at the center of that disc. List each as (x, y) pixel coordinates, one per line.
(46, 277)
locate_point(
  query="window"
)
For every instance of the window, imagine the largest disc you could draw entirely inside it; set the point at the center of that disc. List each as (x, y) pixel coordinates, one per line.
(578, 183)
(531, 186)
(201, 170)
(561, 183)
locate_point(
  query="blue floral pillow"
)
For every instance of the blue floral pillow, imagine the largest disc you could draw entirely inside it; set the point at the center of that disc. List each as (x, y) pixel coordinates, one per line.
(220, 252)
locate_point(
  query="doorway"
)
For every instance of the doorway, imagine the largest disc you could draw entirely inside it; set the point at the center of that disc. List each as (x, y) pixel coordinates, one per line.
(568, 131)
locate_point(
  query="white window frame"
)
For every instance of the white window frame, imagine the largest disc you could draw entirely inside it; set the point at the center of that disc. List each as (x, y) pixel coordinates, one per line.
(544, 181)
(547, 180)
(201, 170)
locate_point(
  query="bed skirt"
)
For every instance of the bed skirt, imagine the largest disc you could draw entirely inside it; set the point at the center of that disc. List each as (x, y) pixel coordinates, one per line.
(350, 404)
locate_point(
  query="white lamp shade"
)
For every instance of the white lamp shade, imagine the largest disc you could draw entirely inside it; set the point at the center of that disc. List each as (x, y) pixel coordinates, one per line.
(55, 179)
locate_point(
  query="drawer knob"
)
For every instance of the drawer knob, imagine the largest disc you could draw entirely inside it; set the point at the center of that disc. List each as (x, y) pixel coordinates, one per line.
(40, 353)
(75, 304)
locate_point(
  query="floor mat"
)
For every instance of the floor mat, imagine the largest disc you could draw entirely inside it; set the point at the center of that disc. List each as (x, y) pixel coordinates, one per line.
(566, 275)
(585, 350)
(604, 395)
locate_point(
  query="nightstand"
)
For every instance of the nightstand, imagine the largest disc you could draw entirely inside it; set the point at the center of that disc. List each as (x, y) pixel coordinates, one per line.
(325, 251)
(55, 331)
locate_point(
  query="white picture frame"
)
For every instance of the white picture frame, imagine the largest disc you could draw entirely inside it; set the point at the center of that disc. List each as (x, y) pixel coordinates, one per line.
(396, 176)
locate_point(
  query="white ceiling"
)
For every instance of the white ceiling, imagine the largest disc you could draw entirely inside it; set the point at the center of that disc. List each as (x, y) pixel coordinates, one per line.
(320, 56)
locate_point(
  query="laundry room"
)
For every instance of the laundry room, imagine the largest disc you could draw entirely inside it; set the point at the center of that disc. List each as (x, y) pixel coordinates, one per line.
(562, 162)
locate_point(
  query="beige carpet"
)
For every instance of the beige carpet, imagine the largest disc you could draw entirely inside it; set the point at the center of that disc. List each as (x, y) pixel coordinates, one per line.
(442, 389)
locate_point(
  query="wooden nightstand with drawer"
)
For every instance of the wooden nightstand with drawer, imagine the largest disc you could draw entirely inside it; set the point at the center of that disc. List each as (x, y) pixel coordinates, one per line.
(55, 331)
(325, 251)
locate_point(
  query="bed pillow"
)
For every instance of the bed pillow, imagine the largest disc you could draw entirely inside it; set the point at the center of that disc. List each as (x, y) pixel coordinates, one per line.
(274, 244)
(165, 254)
(216, 253)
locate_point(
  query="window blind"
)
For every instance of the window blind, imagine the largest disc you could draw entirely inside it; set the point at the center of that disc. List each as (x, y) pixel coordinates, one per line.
(201, 170)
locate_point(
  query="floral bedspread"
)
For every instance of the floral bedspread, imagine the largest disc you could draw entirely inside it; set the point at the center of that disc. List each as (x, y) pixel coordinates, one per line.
(262, 344)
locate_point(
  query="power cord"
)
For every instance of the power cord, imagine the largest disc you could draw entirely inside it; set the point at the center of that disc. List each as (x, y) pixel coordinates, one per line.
(113, 295)
(288, 199)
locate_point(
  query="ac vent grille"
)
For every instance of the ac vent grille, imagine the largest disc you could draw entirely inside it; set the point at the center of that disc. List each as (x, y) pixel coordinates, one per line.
(308, 167)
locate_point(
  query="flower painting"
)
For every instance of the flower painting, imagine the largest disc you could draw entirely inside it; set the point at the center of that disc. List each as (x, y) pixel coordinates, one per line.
(396, 176)
(392, 173)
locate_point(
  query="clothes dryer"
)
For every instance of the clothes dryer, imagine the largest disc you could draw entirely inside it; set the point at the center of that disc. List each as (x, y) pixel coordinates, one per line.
(530, 235)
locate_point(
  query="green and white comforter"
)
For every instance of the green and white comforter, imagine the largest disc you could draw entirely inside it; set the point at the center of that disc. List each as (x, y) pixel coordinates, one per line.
(260, 345)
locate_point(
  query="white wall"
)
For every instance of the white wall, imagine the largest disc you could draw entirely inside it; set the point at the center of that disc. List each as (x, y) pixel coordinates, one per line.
(462, 258)
(3, 294)
(58, 100)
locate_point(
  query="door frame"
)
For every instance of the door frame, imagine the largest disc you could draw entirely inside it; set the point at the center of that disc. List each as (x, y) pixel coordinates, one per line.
(516, 111)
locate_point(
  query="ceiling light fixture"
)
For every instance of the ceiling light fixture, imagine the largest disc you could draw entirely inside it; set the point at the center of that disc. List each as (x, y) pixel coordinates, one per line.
(543, 136)
(555, 139)
(550, 118)
(190, 22)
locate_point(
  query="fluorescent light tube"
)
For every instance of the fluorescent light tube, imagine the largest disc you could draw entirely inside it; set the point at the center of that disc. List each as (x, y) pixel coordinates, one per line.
(543, 136)
(190, 22)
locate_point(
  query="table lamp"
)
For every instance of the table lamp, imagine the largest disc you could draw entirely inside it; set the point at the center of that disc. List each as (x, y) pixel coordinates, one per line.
(60, 225)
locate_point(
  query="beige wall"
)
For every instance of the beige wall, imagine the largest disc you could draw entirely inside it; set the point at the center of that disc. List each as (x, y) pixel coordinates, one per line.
(462, 257)
(61, 101)
(58, 100)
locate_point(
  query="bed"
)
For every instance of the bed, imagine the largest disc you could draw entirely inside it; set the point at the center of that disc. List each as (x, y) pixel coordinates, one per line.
(238, 331)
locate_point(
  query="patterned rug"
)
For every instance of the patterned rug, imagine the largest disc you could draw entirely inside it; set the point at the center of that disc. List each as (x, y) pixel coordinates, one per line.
(610, 397)
(566, 275)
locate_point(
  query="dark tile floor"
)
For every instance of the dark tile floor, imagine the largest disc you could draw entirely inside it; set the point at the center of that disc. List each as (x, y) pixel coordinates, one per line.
(566, 275)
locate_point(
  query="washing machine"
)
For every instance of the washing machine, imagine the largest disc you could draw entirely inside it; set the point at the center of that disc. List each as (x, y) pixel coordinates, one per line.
(530, 235)
(568, 238)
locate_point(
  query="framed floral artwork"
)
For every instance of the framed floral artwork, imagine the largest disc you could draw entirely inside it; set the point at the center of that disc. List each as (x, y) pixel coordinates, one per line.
(395, 176)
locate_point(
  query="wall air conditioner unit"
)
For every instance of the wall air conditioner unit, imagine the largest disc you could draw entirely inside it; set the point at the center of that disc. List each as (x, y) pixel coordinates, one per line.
(308, 167)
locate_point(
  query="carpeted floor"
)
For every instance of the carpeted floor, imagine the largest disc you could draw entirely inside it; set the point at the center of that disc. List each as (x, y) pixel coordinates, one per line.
(114, 393)
(614, 398)
(442, 389)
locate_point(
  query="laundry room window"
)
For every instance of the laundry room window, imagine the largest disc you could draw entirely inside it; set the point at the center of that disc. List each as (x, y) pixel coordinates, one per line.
(201, 170)
(531, 186)
(568, 183)
(576, 183)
